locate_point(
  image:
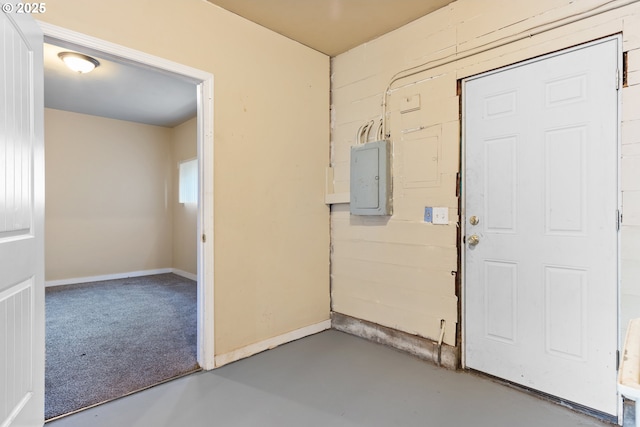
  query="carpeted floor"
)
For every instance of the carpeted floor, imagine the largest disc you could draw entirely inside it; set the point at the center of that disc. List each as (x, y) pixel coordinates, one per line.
(107, 339)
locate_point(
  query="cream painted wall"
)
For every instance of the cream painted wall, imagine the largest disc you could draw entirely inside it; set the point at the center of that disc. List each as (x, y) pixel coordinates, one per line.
(400, 272)
(107, 188)
(271, 148)
(184, 146)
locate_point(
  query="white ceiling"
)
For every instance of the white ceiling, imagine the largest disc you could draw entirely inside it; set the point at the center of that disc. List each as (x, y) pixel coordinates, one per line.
(127, 92)
(118, 91)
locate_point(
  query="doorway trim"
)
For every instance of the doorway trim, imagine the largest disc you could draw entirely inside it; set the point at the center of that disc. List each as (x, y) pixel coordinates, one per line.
(204, 82)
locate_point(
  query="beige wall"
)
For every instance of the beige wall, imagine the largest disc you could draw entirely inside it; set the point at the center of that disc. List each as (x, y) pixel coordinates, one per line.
(107, 183)
(112, 197)
(184, 146)
(398, 273)
(271, 147)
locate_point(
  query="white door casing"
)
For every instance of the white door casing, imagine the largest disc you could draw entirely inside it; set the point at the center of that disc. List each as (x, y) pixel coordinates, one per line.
(204, 81)
(21, 223)
(541, 284)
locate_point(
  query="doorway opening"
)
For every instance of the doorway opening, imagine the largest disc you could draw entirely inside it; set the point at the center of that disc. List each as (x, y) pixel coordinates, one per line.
(202, 83)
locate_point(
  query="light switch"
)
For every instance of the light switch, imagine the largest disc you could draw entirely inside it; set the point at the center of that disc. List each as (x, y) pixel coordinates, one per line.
(441, 216)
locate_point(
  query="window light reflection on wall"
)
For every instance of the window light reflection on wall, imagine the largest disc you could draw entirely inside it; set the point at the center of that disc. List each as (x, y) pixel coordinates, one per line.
(78, 62)
(188, 181)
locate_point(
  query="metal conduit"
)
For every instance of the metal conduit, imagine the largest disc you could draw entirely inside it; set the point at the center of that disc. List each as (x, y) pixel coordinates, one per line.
(533, 31)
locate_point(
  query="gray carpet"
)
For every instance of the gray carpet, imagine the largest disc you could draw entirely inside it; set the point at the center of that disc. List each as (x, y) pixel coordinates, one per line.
(107, 339)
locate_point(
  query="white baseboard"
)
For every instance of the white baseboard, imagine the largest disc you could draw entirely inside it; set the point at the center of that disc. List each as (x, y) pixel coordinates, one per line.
(261, 346)
(185, 274)
(75, 280)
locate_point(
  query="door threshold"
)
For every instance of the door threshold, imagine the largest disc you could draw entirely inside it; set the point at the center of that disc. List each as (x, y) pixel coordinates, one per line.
(576, 407)
(184, 374)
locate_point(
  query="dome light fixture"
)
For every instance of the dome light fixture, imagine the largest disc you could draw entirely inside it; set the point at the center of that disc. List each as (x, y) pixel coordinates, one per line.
(78, 62)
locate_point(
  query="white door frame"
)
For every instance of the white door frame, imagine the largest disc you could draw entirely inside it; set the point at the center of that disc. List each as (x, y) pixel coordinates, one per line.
(204, 80)
(463, 215)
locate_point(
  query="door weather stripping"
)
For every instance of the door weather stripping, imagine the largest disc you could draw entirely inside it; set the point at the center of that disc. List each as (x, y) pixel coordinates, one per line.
(617, 360)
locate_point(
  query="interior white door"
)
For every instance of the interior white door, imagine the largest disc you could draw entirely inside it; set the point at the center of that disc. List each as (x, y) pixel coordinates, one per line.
(21, 223)
(541, 188)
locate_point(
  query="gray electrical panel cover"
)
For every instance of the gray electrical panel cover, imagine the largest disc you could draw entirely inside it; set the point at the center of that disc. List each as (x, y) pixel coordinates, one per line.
(370, 179)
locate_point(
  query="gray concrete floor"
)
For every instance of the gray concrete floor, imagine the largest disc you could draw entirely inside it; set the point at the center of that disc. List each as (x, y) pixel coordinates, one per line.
(330, 379)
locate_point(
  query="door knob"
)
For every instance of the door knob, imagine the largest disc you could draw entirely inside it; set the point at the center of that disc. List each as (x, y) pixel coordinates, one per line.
(473, 240)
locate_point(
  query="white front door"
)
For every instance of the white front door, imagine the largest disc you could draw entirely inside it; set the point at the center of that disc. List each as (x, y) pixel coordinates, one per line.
(21, 223)
(541, 188)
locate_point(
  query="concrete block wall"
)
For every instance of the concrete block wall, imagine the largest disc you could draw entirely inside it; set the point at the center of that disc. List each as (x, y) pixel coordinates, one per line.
(399, 271)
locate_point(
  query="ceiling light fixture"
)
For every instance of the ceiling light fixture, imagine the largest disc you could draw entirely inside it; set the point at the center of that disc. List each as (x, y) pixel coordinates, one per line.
(78, 62)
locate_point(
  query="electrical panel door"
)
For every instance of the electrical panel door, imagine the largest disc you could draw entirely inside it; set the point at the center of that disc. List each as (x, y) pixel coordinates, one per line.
(370, 179)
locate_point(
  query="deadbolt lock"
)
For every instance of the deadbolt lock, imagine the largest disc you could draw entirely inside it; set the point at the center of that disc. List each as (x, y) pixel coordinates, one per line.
(474, 220)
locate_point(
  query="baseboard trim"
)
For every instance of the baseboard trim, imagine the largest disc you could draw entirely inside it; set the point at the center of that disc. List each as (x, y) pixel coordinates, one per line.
(423, 348)
(250, 350)
(185, 274)
(101, 278)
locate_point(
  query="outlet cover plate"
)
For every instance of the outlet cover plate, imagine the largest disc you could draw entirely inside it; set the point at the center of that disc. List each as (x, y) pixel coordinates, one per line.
(428, 214)
(441, 216)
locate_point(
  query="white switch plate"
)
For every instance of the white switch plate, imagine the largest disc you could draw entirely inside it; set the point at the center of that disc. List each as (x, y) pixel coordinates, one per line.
(441, 216)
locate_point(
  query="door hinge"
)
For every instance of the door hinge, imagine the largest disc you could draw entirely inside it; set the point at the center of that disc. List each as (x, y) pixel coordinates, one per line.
(617, 78)
(618, 219)
(204, 238)
(617, 360)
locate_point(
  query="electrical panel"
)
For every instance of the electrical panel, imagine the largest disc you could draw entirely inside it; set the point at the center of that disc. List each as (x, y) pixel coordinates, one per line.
(370, 179)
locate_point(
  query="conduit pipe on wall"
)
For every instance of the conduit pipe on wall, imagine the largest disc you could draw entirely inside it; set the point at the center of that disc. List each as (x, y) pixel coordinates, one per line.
(504, 41)
(443, 323)
(362, 135)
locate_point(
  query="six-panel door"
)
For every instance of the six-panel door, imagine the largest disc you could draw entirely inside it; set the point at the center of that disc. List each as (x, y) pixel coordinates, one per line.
(541, 179)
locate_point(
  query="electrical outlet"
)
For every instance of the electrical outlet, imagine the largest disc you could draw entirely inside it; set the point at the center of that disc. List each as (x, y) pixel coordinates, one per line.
(441, 216)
